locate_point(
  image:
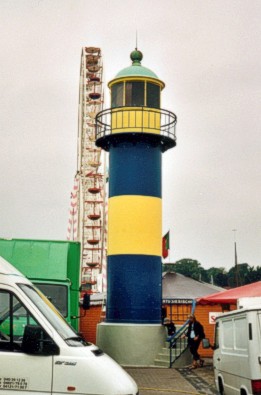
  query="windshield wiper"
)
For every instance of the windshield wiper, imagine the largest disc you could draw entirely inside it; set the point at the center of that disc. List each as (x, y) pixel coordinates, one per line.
(78, 339)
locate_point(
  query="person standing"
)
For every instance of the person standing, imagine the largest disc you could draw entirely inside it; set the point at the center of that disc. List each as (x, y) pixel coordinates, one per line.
(171, 328)
(195, 334)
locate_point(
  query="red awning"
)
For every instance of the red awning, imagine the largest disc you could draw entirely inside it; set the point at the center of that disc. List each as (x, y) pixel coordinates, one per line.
(232, 295)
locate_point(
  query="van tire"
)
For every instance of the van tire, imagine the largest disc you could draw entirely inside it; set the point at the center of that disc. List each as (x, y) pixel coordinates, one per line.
(243, 392)
(220, 386)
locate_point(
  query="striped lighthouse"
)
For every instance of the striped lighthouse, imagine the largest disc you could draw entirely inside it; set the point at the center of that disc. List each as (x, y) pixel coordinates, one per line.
(135, 131)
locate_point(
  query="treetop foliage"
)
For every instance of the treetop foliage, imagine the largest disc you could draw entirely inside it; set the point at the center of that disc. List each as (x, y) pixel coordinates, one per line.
(244, 274)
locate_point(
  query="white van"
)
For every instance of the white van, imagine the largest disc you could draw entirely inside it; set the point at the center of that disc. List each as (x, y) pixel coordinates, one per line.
(237, 352)
(42, 354)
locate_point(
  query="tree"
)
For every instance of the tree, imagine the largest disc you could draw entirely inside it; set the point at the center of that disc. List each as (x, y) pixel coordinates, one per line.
(241, 277)
(188, 267)
(219, 276)
(253, 275)
(169, 267)
(192, 268)
(221, 280)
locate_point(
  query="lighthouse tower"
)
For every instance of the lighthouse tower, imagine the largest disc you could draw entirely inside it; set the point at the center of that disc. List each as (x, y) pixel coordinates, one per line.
(135, 131)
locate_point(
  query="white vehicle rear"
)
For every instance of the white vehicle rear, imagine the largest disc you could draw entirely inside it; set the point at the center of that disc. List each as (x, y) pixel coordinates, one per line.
(237, 354)
(41, 354)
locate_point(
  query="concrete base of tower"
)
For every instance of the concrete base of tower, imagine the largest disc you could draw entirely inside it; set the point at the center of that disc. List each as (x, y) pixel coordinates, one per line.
(131, 344)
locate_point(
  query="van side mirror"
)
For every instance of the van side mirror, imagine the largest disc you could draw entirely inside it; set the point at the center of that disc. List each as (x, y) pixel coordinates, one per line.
(36, 341)
(86, 301)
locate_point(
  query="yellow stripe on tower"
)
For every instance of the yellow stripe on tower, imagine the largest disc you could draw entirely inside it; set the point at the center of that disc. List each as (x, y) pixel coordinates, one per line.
(134, 225)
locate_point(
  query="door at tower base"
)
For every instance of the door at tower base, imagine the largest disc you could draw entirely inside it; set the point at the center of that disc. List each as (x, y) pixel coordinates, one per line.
(135, 288)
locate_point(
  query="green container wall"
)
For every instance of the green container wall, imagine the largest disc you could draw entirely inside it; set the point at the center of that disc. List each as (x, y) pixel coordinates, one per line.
(47, 260)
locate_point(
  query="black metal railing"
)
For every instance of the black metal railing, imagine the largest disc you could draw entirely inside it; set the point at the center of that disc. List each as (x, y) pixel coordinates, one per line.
(178, 343)
(136, 119)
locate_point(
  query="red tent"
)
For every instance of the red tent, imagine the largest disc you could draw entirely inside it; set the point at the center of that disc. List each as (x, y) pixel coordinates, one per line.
(232, 295)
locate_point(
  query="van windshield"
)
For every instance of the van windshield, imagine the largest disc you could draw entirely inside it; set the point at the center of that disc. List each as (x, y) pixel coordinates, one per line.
(57, 294)
(52, 315)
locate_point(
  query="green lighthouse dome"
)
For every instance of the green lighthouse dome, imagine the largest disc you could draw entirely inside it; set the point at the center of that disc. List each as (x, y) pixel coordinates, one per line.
(136, 69)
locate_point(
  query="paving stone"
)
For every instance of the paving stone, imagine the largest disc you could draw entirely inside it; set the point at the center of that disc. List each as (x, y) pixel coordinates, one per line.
(182, 381)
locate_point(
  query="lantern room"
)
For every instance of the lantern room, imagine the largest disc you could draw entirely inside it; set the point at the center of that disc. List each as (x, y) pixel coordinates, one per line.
(136, 86)
(136, 108)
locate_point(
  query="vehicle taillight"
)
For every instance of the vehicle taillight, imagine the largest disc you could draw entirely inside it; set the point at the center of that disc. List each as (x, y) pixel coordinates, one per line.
(256, 387)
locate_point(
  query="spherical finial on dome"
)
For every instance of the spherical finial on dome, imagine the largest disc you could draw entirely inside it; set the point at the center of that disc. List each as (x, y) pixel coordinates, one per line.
(136, 56)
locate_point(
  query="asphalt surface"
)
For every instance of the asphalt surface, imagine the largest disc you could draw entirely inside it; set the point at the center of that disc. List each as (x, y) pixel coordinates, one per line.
(179, 381)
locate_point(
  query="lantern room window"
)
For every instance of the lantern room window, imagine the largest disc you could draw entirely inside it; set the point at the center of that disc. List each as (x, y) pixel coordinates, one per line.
(134, 94)
(153, 95)
(117, 95)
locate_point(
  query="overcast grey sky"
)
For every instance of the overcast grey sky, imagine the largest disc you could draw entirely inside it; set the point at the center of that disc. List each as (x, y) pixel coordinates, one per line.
(208, 54)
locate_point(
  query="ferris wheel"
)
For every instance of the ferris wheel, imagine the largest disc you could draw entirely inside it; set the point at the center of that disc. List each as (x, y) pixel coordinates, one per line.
(87, 222)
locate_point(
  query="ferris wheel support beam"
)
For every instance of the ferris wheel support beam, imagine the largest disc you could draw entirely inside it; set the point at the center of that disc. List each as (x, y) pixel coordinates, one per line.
(89, 202)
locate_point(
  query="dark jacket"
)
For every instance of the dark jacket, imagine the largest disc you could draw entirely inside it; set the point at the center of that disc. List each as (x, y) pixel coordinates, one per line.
(198, 329)
(171, 328)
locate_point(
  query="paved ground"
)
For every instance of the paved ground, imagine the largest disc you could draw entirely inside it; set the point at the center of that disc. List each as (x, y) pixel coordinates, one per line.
(180, 381)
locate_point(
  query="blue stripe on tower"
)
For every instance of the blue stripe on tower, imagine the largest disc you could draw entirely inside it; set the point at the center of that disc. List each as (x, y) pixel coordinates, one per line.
(134, 282)
(135, 170)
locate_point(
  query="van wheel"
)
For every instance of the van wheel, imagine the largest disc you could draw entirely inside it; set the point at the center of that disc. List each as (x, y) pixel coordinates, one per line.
(220, 386)
(243, 392)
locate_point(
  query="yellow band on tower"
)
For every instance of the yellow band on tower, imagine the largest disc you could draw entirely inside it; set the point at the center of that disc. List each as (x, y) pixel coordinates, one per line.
(134, 119)
(134, 225)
